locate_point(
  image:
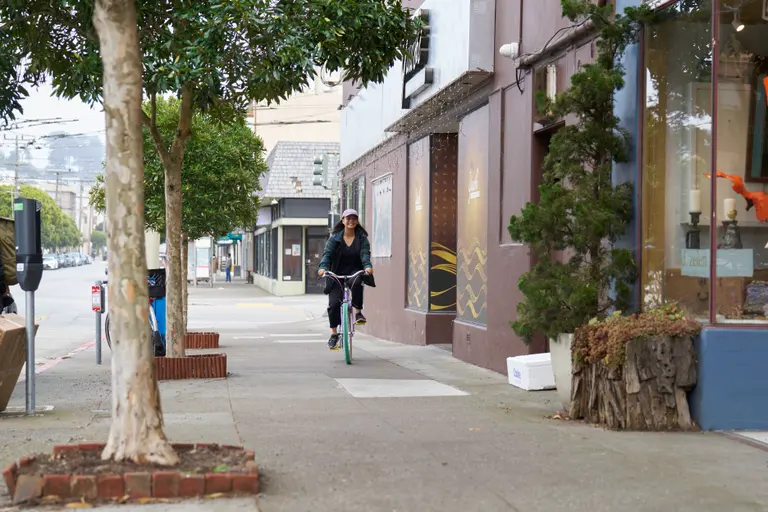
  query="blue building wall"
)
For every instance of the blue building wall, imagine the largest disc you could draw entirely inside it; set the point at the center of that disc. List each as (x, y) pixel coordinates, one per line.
(732, 391)
(629, 110)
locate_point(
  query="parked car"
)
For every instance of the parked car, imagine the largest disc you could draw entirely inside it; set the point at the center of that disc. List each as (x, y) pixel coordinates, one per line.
(50, 262)
(61, 259)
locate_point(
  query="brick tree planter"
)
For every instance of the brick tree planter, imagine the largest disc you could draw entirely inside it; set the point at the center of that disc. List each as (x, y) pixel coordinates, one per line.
(205, 366)
(200, 340)
(64, 477)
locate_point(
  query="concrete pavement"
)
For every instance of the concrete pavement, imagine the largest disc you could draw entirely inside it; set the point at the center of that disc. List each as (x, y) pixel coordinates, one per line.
(403, 429)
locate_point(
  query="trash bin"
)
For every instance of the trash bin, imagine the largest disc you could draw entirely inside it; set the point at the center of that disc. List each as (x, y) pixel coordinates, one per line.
(156, 282)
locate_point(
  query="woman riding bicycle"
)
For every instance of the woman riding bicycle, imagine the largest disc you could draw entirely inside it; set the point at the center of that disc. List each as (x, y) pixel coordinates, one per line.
(346, 252)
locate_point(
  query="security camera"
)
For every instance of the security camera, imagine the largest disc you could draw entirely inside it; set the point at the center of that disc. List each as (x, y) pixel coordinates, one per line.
(510, 50)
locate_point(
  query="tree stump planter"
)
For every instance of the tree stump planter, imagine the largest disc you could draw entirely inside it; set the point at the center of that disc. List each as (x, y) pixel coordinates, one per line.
(77, 473)
(201, 340)
(648, 392)
(203, 366)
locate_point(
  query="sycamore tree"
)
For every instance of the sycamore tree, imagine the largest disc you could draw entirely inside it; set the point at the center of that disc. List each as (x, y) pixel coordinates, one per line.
(215, 56)
(219, 177)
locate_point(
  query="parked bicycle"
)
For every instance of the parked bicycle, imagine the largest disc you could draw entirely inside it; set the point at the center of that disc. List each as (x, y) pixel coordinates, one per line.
(155, 336)
(347, 325)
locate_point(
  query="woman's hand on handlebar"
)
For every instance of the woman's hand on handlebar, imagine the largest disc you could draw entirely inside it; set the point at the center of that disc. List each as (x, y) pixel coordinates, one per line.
(369, 271)
(320, 273)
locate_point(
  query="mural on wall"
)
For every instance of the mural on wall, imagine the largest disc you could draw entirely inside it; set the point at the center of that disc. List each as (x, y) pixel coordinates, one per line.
(472, 249)
(418, 224)
(382, 217)
(442, 258)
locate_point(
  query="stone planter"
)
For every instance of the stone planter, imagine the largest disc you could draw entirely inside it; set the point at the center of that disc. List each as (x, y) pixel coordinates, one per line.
(206, 366)
(648, 392)
(560, 350)
(201, 340)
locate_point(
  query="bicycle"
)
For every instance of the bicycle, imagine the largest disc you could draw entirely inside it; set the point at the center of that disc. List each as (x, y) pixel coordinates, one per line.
(155, 336)
(347, 325)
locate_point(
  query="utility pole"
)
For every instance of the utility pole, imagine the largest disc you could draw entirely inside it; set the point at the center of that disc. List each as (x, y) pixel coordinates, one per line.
(56, 196)
(16, 171)
(80, 209)
(17, 159)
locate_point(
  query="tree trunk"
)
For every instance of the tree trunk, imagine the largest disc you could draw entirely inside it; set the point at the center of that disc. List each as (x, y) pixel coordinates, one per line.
(176, 275)
(185, 283)
(137, 419)
(175, 272)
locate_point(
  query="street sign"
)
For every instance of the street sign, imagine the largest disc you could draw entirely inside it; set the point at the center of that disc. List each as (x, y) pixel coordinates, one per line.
(96, 299)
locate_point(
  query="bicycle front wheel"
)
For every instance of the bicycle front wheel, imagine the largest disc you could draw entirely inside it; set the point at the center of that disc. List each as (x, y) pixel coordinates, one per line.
(346, 333)
(106, 331)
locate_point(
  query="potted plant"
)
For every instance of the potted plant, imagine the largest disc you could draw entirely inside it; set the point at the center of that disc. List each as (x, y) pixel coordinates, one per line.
(579, 272)
(634, 372)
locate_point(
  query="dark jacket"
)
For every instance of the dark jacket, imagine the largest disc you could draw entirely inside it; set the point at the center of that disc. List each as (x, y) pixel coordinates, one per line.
(332, 253)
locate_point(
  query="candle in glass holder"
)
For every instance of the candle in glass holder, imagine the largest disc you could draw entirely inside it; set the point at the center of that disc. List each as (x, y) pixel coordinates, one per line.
(694, 201)
(728, 206)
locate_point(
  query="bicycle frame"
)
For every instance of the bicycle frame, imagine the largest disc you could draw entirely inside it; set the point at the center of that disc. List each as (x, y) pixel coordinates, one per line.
(347, 325)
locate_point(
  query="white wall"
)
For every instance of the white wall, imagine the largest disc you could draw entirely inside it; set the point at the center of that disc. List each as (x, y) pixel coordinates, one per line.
(311, 115)
(461, 39)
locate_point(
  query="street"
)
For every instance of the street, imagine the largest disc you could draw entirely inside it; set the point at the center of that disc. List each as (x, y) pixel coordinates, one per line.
(63, 310)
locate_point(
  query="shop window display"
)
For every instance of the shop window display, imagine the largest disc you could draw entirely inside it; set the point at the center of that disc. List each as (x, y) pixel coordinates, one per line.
(679, 126)
(742, 163)
(676, 155)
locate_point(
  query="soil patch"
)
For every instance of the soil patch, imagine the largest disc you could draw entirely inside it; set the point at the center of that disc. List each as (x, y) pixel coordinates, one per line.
(194, 460)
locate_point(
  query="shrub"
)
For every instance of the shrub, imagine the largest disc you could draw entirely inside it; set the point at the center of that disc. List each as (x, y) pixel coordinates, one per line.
(605, 340)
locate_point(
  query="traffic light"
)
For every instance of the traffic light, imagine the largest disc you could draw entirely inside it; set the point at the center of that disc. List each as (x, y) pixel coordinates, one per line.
(318, 173)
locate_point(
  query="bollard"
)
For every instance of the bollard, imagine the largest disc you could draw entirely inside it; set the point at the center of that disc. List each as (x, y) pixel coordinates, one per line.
(97, 304)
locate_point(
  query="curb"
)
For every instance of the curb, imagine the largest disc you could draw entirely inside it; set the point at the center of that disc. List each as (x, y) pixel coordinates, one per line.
(164, 483)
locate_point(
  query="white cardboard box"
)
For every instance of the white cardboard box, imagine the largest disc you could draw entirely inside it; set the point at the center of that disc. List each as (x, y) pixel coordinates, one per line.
(532, 372)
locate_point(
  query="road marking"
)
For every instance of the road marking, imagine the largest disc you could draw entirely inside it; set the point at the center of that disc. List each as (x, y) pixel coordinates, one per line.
(300, 341)
(397, 388)
(248, 337)
(51, 364)
(302, 335)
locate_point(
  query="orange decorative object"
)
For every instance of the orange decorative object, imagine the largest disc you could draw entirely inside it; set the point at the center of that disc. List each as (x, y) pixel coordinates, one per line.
(757, 199)
(765, 84)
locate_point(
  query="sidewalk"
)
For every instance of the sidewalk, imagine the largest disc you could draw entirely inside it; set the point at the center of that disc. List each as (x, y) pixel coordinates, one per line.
(404, 428)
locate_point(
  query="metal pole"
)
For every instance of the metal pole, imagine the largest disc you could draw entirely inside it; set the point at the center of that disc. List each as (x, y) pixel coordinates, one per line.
(98, 325)
(30, 313)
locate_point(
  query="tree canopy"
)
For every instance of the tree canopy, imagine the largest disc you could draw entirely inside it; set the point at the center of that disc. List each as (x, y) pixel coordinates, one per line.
(98, 240)
(58, 230)
(225, 53)
(220, 173)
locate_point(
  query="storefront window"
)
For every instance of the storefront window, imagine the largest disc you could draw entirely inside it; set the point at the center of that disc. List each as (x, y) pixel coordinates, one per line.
(292, 253)
(742, 163)
(676, 209)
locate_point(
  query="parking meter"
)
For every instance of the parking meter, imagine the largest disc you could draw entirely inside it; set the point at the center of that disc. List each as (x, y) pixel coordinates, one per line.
(29, 250)
(29, 271)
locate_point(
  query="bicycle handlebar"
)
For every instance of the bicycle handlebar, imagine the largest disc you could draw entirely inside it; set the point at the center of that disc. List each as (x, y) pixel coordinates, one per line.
(331, 274)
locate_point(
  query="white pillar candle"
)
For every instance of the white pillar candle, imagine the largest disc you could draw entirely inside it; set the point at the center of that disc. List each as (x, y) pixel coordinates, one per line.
(728, 206)
(694, 201)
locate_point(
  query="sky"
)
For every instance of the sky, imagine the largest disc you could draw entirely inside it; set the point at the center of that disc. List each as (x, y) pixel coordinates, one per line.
(76, 118)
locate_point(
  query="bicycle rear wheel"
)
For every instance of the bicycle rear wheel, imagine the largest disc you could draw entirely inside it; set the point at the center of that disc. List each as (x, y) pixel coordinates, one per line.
(346, 333)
